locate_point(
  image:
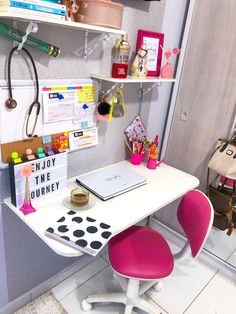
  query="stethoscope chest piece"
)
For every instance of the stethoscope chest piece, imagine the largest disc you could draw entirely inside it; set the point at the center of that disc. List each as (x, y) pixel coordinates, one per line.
(11, 103)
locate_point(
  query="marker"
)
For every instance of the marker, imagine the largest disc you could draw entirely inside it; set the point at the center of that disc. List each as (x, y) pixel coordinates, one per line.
(156, 140)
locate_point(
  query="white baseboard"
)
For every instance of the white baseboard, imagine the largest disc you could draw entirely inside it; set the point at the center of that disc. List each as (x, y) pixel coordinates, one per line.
(205, 256)
(24, 299)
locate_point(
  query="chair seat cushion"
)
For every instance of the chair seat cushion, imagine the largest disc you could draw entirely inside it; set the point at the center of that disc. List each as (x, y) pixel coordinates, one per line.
(140, 252)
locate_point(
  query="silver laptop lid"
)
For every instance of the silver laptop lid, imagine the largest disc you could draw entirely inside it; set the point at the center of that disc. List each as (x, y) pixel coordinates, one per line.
(112, 181)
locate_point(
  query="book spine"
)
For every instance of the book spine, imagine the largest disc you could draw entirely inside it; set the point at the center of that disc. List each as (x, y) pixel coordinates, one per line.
(33, 13)
(35, 7)
(46, 3)
(60, 2)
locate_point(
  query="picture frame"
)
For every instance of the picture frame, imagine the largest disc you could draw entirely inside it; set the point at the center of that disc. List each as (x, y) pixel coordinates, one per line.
(155, 44)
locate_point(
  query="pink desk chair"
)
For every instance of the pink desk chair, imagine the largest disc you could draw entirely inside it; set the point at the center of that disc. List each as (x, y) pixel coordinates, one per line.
(140, 253)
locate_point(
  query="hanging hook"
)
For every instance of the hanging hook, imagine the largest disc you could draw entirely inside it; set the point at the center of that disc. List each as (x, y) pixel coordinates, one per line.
(32, 28)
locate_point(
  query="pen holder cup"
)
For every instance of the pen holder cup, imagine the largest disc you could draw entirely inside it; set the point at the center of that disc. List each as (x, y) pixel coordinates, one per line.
(152, 163)
(136, 159)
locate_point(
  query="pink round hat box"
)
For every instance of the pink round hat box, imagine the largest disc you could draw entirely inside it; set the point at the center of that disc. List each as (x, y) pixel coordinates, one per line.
(100, 12)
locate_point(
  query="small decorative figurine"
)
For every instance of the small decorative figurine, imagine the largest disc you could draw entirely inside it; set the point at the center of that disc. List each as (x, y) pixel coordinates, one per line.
(139, 67)
(41, 153)
(15, 158)
(72, 8)
(49, 150)
(153, 155)
(29, 154)
(167, 70)
(27, 207)
(59, 148)
(63, 139)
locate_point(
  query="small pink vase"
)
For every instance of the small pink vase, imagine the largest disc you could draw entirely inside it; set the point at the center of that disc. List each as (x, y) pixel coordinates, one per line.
(167, 71)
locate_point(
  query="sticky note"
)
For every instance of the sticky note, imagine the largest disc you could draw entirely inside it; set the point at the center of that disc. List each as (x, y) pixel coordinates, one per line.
(46, 139)
(84, 124)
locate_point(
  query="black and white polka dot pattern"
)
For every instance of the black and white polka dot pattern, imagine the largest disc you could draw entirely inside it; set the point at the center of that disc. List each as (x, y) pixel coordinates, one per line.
(81, 232)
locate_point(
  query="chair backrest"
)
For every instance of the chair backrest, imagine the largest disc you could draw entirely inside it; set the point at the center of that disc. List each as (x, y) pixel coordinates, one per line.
(195, 215)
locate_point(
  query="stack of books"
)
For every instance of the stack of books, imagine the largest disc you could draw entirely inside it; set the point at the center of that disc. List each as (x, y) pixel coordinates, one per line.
(42, 8)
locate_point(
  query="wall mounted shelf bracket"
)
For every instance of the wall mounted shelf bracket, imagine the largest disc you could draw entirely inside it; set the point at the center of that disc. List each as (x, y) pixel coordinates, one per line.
(142, 91)
(89, 48)
(116, 85)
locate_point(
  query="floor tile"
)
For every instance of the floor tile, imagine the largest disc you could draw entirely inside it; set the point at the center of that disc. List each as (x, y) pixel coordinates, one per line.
(232, 259)
(182, 286)
(77, 279)
(103, 282)
(220, 244)
(218, 297)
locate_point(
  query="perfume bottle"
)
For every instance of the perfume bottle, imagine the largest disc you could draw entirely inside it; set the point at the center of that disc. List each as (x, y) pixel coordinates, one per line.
(120, 56)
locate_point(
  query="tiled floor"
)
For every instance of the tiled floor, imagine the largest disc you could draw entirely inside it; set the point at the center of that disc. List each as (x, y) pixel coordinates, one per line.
(222, 245)
(193, 288)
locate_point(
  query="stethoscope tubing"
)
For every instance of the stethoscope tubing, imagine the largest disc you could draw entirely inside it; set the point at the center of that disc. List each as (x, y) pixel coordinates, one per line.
(36, 100)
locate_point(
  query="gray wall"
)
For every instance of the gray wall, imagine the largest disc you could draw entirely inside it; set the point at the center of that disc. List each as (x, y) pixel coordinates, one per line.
(28, 260)
(207, 92)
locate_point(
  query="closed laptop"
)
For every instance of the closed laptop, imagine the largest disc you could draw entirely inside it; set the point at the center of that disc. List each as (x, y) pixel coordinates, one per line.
(112, 181)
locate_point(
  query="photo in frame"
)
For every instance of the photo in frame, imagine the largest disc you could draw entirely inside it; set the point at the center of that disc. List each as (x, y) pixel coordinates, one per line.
(155, 44)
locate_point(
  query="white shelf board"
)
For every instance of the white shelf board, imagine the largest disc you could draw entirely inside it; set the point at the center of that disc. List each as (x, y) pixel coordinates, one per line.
(131, 79)
(61, 23)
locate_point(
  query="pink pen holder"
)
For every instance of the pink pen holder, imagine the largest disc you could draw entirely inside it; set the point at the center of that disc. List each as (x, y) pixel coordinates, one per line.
(136, 159)
(152, 163)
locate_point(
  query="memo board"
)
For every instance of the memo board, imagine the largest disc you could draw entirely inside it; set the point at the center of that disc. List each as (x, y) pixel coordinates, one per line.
(12, 122)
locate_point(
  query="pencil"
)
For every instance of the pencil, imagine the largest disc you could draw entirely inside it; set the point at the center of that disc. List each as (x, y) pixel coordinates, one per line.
(128, 146)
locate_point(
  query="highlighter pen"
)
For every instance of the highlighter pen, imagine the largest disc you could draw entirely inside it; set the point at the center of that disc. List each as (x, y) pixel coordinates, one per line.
(16, 35)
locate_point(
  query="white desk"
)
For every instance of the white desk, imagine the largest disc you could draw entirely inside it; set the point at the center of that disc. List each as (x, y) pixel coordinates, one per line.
(164, 185)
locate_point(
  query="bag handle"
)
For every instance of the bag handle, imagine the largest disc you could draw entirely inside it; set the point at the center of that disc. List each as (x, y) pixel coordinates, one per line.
(228, 142)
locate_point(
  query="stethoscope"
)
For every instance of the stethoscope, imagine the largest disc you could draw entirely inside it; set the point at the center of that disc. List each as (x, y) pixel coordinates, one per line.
(11, 103)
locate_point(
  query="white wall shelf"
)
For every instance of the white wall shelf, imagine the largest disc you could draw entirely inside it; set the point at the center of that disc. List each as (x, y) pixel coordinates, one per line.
(131, 79)
(60, 23)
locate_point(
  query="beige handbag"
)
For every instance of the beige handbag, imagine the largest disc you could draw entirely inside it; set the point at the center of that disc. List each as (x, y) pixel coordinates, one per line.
(223, 159)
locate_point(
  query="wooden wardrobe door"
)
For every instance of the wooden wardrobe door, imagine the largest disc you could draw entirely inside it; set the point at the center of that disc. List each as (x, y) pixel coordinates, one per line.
(207, 90)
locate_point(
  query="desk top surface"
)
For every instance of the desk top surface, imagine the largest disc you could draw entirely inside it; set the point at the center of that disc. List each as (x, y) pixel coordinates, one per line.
(164, 185)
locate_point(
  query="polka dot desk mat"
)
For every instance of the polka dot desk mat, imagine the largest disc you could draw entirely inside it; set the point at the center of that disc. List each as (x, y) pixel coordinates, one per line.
(80, 232)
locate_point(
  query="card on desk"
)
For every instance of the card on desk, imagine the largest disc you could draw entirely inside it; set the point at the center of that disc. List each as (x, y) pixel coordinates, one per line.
(80, 232)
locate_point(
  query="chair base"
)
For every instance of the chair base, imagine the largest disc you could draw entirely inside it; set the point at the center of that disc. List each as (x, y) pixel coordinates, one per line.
(131, 297)
(138, 302)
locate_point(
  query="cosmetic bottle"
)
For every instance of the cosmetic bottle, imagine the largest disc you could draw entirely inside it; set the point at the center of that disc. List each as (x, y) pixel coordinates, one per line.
(120, 57)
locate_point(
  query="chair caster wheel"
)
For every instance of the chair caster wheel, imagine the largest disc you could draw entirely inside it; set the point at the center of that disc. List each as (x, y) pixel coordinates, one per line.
(86, 306)
(115, 276)
(158, 286)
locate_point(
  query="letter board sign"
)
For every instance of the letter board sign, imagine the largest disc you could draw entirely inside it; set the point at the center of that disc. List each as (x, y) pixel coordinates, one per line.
(49, 175)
